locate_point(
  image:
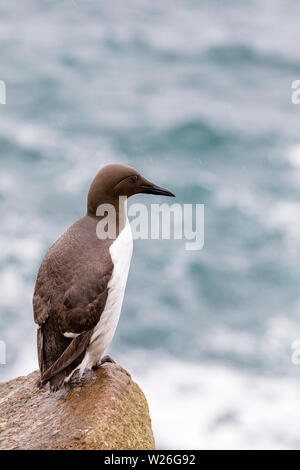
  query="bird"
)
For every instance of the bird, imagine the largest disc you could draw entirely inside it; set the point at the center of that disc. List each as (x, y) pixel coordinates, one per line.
(80, 284)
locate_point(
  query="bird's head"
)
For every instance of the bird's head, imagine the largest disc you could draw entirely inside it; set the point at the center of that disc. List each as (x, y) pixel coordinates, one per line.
(114, 181)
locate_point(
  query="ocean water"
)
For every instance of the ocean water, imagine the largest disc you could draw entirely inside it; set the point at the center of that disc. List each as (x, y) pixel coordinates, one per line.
(197, 96)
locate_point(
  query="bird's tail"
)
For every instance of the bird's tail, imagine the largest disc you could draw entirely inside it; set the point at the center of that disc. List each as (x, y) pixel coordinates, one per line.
(70, 354)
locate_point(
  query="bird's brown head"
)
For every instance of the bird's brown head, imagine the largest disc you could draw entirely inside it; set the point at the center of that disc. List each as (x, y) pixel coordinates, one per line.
(116, 180)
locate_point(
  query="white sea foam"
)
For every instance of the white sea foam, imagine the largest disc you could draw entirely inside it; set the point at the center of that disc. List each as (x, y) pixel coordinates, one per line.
(26, 360)
(211, 406)
(14, 289)
(293, 156)
(25, 249)
(285, 216)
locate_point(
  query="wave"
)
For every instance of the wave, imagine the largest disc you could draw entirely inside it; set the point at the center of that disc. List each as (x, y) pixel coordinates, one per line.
(213, 406)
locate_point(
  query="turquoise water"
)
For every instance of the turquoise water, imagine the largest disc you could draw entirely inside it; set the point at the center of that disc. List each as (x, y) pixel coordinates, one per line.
(196, 95)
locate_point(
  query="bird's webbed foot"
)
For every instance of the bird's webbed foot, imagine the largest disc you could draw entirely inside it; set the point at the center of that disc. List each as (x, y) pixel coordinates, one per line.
(107, 359)
(57, 382)
(103, 361)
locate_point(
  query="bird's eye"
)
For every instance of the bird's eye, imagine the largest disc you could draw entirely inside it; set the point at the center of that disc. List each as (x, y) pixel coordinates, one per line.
(135, 178)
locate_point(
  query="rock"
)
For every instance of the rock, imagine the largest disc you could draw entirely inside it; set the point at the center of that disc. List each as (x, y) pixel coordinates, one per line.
(105, 410)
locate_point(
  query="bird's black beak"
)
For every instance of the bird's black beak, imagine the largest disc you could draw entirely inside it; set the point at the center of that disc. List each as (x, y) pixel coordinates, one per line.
(150, 188)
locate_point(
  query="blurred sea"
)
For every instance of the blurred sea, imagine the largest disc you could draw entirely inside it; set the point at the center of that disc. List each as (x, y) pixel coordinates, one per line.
(197, 96)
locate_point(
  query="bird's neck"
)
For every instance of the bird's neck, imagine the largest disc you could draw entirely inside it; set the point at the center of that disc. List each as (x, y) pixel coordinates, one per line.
(113, 213)
(121, 213)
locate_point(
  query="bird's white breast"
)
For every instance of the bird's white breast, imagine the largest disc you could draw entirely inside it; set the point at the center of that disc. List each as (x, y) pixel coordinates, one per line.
(120, 252)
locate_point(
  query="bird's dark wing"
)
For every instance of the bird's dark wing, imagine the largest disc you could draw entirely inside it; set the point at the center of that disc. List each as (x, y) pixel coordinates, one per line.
(41, 310)
(70, 295)
(84, 302)
(41, 305)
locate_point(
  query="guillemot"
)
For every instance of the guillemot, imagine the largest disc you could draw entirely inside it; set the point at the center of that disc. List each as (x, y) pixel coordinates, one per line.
(81, 282)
